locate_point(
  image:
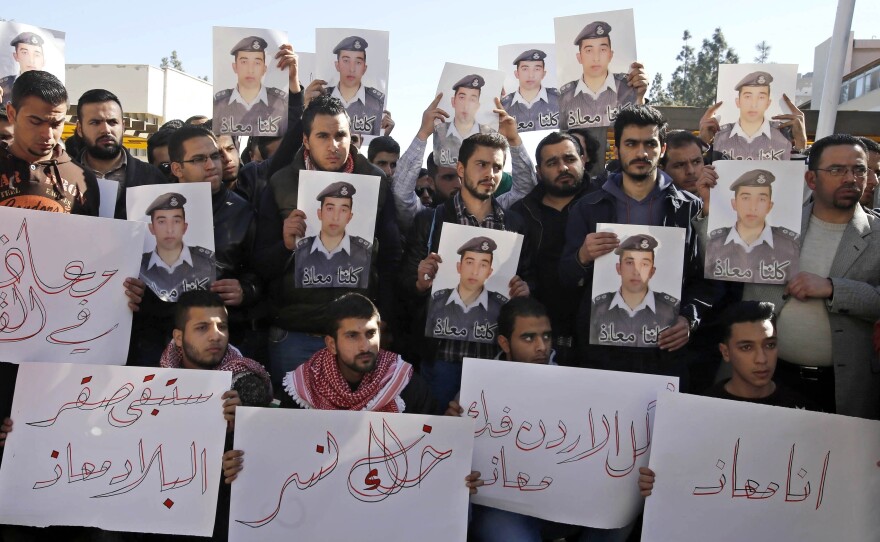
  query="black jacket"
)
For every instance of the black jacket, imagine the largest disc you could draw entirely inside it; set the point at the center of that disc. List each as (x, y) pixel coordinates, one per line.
(137, 173)
(234, 230)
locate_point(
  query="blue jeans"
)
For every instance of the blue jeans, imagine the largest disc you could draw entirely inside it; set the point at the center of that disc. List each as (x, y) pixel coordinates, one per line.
(443, 378)
(288, 350)
(494, 525)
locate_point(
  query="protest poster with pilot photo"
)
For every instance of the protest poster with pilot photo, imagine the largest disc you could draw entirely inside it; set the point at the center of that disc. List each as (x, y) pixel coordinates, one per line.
(531, 93)
(473, 282)
(24, 48)
(751, 96)
(469, 97)
(179, 247)
(354, 63)
(252, 100)
(637, 286)
(594, 54)
(755, 221)
(340, 213)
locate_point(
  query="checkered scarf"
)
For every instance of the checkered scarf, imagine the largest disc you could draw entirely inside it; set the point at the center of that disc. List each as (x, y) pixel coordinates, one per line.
(318, 384)
(172, 358)
(348, 167)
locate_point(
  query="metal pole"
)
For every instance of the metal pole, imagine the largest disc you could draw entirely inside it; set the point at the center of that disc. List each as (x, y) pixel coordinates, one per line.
(834, 69)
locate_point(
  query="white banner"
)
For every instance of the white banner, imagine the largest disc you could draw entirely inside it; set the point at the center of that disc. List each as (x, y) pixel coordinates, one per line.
(560, 443)
(339, 475)
(733, 471)
(120, 448)
(62, 297)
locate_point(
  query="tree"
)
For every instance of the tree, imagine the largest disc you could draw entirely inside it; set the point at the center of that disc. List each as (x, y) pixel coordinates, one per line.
(695, 79)
(658, 95)
(763, 49)
(172, 62)
(681, 90)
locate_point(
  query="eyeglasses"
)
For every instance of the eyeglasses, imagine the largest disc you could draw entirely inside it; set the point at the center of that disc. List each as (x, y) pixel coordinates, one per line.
(859, 172)
(165, 167)
(200, 159)
(424, 190)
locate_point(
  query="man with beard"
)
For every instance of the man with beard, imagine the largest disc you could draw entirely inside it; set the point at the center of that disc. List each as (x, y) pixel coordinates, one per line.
(868, 197)
(828, 309)
(562, 181)
(99, 124)
(446, 179)
(639, 194)
(481, 161)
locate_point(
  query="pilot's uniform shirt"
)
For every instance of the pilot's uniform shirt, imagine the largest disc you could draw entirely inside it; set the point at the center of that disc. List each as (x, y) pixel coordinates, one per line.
(346, 266)
(447, 141)
(540, 114)
(771, 259)
(580, 107)
(450, 318)
(612, 318)
(768, 143)
(6, 84)
(266, 115)
(193, 270)
(364, 110)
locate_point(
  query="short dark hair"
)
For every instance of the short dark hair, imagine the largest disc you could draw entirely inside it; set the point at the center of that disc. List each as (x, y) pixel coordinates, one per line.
(187, 132)
(158, 139)
(39, 84)
(422, 173)
(322, 105)
(382, 144)
(746, 311)
(815, 154)
(95, 96)
(639, 115)
(518, 307)
(364, 51)
(592, 144)
(492, 140)
(234, 138)
(432, 166)
(552, 139)
(677, 139)
(350, 305)
(870, 144)
(194, 118)
(190, 299)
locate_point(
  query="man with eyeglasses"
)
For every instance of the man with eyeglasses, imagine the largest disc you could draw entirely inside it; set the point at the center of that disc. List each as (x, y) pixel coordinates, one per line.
(827, 310)
(99, 124)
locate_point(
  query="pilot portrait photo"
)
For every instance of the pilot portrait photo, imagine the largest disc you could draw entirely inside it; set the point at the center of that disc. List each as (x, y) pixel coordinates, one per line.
(531, 96)
(750, 101)
(24, 48)
(471, 94)
(754, 228)
(642, 302)
(336, 251)
(594, 54)
(254, 100)
(354, 64)
(467, 297)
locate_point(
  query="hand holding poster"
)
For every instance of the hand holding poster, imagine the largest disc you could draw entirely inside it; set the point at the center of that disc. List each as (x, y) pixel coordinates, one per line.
(755, 221)
(632, 302)
(530, 90)
(62, 297)
(340, 224)
(560, 443)
(752, 96)
(473, 282)
(120, 448)
(253, 101)
(335, 475)
(738, 471)
(178, 255)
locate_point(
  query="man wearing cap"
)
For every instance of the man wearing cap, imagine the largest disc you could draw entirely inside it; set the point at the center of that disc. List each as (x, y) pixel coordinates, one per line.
(596, 97)
(172, 267)
(534, 106)
(333, 258)
(465, 103)
(634, 315)
(28, 53)
(753, 136)
(468, 312)
(250, 108)
(364, 104)
(752, 250)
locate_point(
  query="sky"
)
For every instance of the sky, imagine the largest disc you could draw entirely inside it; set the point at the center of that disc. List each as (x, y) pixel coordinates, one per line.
(425, 35)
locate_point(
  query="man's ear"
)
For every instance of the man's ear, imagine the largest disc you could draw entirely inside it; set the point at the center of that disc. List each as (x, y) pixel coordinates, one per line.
(725, 352)
(504, 344)
(177, 335)
(330, 344)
